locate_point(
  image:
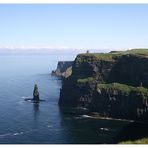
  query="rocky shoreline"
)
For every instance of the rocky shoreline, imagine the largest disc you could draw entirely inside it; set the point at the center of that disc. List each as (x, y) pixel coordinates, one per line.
(109, 118)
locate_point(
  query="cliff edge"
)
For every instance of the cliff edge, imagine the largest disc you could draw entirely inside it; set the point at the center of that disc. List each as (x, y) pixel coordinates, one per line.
(64, 69)
(113, 84)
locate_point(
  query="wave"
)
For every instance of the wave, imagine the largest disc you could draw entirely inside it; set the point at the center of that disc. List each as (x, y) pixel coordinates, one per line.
(86, 116)
(20, 133)
(3, 135)
(16, 133)
(104, 129)
(83, 117)
(49, 126)
(28, 97)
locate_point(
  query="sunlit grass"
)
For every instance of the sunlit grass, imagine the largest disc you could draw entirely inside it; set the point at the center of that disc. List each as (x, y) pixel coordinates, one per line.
(115, 54)
(123, 87)
(139, 141)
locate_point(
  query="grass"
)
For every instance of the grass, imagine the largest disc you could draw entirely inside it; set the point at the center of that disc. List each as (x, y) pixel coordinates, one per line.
(116, 86)
(86, 80)
(123, 87)
(139, 141)
(135, 51)
(115, 54)
(103, 56)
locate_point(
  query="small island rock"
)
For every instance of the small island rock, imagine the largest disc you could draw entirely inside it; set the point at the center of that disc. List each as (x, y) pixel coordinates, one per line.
(36, 93)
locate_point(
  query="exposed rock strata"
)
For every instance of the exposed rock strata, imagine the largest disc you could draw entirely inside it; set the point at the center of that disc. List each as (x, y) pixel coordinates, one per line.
(112, 84)
(64, 69)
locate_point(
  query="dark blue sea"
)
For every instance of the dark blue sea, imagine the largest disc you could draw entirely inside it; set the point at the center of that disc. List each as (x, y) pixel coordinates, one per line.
(25, 122)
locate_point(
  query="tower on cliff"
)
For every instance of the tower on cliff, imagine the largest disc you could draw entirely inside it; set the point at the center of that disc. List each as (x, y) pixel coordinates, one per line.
(87, 51)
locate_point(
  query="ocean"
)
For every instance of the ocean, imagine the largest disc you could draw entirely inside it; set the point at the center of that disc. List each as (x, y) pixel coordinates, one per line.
(23, 122)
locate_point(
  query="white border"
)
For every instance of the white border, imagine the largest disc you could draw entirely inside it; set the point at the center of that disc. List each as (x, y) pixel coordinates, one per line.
(72, 2)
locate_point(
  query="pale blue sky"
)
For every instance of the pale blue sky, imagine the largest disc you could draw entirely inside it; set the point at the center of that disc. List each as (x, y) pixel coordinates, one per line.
(75, 26)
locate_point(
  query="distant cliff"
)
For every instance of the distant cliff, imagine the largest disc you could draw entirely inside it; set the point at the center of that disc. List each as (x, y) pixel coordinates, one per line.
(64, 69)
(113, 84)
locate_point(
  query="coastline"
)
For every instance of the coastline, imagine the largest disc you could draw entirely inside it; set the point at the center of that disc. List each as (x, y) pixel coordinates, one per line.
(113, 119)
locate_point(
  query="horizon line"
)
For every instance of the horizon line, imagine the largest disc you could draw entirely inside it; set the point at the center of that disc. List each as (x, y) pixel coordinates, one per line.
(23, 48)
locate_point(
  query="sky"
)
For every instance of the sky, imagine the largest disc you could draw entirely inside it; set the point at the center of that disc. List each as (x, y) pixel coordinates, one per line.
(95, 26)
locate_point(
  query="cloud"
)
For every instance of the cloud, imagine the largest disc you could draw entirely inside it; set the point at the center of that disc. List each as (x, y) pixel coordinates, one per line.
(49, 49)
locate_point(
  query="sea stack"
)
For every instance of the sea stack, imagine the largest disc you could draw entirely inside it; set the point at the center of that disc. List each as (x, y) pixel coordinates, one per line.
(36, 93)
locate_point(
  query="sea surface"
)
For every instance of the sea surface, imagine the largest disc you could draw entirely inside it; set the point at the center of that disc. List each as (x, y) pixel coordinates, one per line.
(23, 122)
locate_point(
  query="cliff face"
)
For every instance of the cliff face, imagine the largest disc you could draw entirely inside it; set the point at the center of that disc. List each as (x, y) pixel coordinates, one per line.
(88, 65)
(130, 69)
(120, 101)
(64, 69)
(114, 68)
(112, 84)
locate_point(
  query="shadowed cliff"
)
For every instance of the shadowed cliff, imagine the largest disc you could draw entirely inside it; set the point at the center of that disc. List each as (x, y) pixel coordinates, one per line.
(113, 84)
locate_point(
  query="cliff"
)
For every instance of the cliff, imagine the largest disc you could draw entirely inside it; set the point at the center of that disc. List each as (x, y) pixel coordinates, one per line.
(64, 69)
(113, 84)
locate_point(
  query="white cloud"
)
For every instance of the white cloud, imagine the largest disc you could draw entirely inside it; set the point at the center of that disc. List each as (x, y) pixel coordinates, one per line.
(55, 48)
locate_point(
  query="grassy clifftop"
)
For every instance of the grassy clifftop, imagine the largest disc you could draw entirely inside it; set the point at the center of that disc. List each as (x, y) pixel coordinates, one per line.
(115, 54)
(141, 51)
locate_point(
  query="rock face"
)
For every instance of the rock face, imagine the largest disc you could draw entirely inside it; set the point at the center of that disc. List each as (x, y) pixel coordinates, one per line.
(36, 93)
(120, 101)
(64, 69)
(112, 84)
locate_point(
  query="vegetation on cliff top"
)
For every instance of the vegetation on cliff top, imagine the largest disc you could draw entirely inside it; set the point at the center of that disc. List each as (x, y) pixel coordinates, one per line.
(141, 51)
(115, 54)
(103, 56)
